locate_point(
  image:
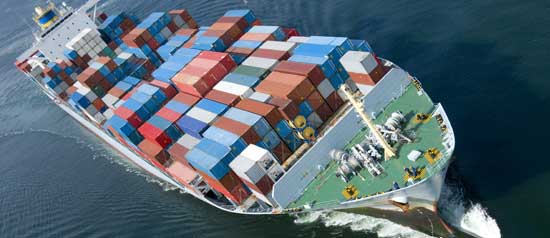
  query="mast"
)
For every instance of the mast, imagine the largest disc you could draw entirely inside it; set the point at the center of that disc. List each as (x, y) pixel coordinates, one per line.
(359, 108)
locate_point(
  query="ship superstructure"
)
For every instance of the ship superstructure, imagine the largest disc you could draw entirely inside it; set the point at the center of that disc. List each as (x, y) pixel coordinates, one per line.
(250, 118)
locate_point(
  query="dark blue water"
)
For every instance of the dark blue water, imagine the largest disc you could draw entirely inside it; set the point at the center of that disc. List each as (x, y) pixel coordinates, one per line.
(486, 61)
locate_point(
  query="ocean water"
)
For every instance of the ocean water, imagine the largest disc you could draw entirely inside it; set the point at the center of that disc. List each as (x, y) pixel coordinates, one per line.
(486, 61)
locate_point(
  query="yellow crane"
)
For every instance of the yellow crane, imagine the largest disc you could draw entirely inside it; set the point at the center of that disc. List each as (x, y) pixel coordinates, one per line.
(358, 105)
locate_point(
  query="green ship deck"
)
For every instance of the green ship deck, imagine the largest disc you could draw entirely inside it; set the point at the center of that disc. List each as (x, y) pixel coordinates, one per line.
(326, 189)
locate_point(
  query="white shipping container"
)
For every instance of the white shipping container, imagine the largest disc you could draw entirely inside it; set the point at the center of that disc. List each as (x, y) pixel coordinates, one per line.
(278, 45)
(325, 88)
(234, 89)
(259, 155)
(108, 113)
(202, 115)
(247, 169)
(260, 97)
(259, 62)
(298, 39)
(109, 100)
(358, 62)
(188, 141)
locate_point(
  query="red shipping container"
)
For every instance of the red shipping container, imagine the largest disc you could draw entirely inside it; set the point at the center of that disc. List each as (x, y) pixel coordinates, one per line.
(263, 186)
(324, 112)
(315, 100)
(168, 114)
(311, 71)
(282, 152)
(130, 116)
(290, 32)
(210, 76)
(271, 54)
(244, 131)
(224, 58)
(361, 78)
(178, 153)
(172, 27)
(239, 21)
(230, 186)
(184, 14)
(154, 134)
(186, 31)
(168, 89)
(223, 97)
(183, 173)
(186, 99)
(153, 43)
(257, 37)
(98, 103)
(269, 112)
(291, 86)
(334, 101)
(288, 109)
(155, 151)
(191, 85)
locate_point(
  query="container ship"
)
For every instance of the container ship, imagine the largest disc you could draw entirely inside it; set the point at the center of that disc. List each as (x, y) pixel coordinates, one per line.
(250, 118)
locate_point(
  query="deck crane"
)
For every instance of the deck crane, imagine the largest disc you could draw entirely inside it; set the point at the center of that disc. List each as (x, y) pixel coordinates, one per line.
(389, 151)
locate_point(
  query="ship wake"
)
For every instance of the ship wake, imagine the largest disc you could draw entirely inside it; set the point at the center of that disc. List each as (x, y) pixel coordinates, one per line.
(466, 215)
(359, 223)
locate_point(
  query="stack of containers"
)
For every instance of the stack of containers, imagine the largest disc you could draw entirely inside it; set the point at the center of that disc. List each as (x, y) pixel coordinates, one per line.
(224, 32)
(321, 110)
(169, 48)
(116, 93)
(279, 50)
(59, 76)
(185, 174)
(251, 40)
(244, 20)
(85, 46)
(203, 72)
(296, 89)
(155, 30)
(211, 159)
(116, 26)
(238, 85)
(182, 19)
(197, 120)
(174, 64)
(326, 52)
(173, 111)
(88, 102)
(131, 64)
(141, 105)
(268, 137)
(259, 170)
(123, 131)
(242, 130)
(273, 117)
(363, 68)
(190, 42)
(101, 75)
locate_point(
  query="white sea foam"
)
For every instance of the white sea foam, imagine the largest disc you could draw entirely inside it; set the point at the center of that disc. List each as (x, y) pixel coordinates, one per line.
(454, 208)
(360, 223)
(470, 217)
